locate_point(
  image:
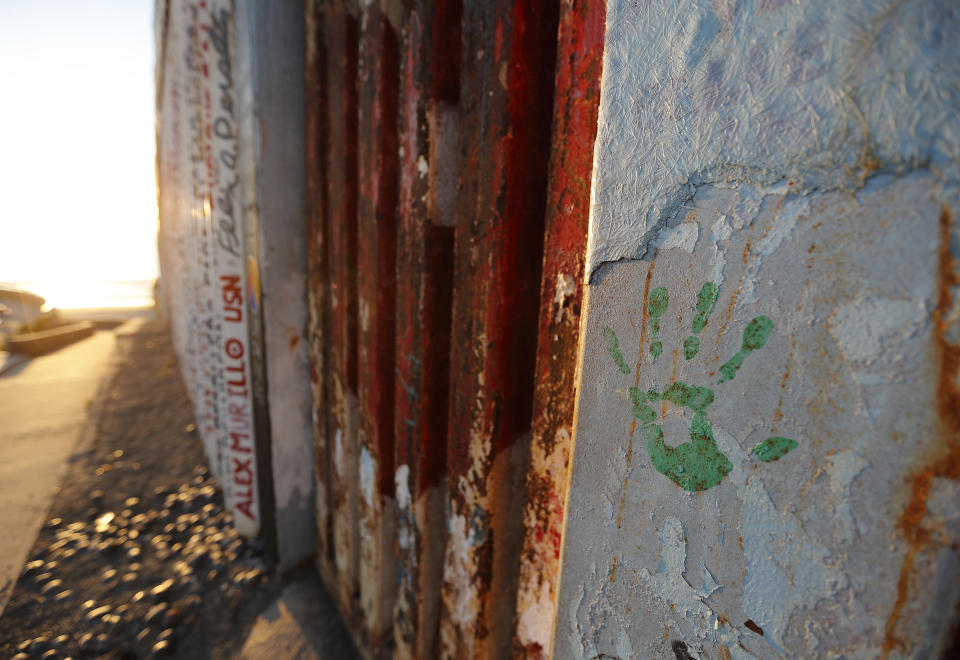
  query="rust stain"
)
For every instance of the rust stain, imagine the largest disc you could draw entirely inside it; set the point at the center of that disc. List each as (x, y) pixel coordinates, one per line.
(946, 462)
(746, 252)
(636, 381)
(778, 412)
(613, 573)
(728, 313)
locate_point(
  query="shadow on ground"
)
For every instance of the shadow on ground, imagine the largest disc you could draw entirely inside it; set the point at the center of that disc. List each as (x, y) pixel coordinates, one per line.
(138, 557)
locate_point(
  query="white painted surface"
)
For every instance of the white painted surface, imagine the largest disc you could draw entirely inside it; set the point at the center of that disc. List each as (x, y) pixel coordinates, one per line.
(820, 93)
(800, 156)
(808, 547)
(210, 281)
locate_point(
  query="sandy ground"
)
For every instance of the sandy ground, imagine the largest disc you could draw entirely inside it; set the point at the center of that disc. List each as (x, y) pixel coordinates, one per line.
(137, 557)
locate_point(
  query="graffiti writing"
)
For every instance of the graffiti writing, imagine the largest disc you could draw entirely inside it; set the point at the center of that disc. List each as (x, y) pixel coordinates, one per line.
(231, 295)
(224, 128)
(238, 425)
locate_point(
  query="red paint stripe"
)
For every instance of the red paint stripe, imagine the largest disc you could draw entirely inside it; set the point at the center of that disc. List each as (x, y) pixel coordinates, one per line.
(577, 94)
(376, 271)
(430, 90)
(506, 97)
(341, 184)
(377, 221)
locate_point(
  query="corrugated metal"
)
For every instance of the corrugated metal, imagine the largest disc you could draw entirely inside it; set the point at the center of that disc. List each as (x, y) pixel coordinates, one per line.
(428, 119)
(432, 130)
(341, 40)
(378, 73)
(577, 94)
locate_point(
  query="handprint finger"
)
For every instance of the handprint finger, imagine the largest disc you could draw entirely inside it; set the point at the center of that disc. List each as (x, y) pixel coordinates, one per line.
(613, 348)
(656, 308)
(774, 448)
(755, 335)
(706, 300)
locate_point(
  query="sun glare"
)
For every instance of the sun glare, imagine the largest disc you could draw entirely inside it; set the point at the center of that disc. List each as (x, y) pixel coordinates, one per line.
(78, 215)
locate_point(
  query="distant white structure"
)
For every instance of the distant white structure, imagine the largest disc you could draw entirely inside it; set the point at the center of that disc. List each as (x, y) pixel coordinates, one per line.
(21, 306)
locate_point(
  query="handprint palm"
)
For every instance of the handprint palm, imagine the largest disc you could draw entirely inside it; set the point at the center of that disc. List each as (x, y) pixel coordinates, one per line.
(697, 464)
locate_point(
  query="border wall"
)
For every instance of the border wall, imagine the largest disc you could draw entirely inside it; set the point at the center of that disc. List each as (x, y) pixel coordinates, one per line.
(578, 329)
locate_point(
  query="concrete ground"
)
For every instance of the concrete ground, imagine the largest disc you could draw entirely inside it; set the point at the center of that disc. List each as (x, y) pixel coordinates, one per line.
(43, 414)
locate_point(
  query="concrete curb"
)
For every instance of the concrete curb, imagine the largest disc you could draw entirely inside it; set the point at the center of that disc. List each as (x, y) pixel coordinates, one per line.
(38, 343)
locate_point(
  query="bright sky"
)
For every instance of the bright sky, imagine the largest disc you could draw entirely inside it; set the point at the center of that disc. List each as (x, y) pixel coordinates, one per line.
(77, 186)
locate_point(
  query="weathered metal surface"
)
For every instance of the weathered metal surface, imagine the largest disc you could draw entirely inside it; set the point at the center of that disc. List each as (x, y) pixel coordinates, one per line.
(318, 272)
(577, 94)
(506, 91)
(341, 39)
(377, 173)
(766, 435)
(429, 93)
(277, 131)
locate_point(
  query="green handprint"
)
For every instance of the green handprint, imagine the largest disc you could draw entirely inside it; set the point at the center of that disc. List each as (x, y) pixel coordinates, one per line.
(698, 464)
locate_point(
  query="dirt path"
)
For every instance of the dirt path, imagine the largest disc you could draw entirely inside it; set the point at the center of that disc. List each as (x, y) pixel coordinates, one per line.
(137, 557)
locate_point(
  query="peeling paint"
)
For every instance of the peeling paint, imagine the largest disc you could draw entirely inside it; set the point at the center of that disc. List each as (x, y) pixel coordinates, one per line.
(791, 547)
(401, 482)
(535, 618)
(862, 326)
(566, 287)
(844, 467)
(773, 541)
(803, 92)
(683, 236)
(368, 479)
(460, 571)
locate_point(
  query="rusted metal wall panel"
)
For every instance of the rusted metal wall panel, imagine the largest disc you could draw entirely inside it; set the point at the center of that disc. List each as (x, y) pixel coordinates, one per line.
(377, 83)
(428, 112)
(318, 272)
(277, 87)
(341, 38)
(577, 94)
(506, 91)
